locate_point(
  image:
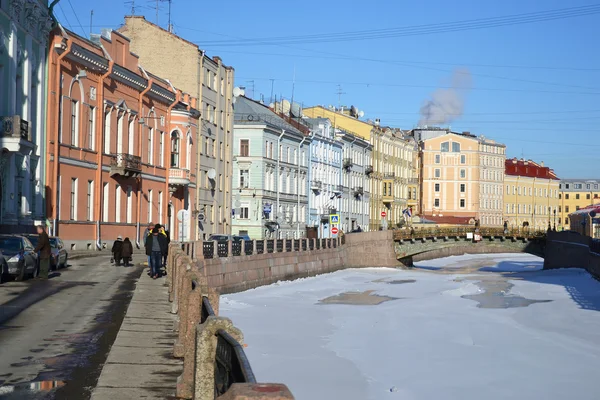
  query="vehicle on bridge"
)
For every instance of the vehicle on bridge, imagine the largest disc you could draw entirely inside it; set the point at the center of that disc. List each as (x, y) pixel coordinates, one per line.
(20, 259)
(59, 256)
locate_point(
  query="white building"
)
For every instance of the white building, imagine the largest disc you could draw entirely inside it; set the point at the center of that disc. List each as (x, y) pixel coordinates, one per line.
(24, 32)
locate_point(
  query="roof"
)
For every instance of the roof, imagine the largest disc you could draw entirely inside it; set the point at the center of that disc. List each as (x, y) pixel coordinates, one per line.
(250, 112)
(448, 219)
(528, 168)
(588, 209)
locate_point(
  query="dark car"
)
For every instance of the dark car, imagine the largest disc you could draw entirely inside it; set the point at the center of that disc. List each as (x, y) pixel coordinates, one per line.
(20, 259)
(59, 256)
(220, 238)
(241, 237)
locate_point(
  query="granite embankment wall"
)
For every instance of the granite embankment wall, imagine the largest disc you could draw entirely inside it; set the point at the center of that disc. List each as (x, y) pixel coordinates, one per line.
(571, 250)
(237, 273)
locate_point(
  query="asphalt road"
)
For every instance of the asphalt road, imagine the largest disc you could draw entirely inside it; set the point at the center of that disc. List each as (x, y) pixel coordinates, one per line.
(55, 335)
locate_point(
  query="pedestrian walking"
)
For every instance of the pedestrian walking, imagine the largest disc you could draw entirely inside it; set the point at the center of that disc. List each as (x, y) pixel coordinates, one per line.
(156, 248)
(44, 249)
(127, 251)
(117, 250)
(148, 232)
(168, 236)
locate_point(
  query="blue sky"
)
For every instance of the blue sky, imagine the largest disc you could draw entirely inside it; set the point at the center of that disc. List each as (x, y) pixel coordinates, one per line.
(535, 87)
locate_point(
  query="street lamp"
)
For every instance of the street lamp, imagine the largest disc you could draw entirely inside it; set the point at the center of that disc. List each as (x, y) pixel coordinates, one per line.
(554, 219)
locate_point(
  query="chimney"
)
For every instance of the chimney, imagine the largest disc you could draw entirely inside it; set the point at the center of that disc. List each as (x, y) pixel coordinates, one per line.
(542, 163)
(377, 121)
(466, 133)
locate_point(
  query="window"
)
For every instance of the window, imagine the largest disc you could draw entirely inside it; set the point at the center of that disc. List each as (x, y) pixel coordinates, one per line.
(576, 208)
(174, 149)
(107, 119)
(463, 173)
(244, 178)
(462, 203)
(436, 202)
(437, 173)
(577, 196)
(118, 203)
(221, 151)
(150, 146)
(244, 147)
(91, 127)
(567, 209)
(267, 149)
(161, 149)
(578, 186)
(129, 204)
(445, 147)
(437, 187)
(73, 213)
(221, 182)
(74, 123)
(244, 211)
(455, 147)
(90, 201)
(463, 188)
(566, 196)
(160, 207)
(437, 158)
(105, 202)
(150, 195)
(271, 150)
(463, 159)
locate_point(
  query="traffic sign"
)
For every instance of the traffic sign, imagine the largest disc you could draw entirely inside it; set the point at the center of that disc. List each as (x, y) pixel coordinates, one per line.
(383, 214)
(182, 215)
(334, 230)
(334, 219)
(201, 217)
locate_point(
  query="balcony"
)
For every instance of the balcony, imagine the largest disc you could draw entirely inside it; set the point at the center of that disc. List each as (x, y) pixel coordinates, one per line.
(412, 181)
(348, 164)
(316, 186)
(358, 191)
(338, 189)
(179, 177)
(368, 170)
(389, 175)
(15, 135)
(126, 165)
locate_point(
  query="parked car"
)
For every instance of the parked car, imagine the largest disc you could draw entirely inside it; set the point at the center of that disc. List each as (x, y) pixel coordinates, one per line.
(3, 268)
(20, 259)
(220, 238)
(241, 237)
(59, 256)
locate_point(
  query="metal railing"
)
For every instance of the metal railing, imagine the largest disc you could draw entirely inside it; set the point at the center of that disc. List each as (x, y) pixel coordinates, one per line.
(423, 233)
(231, 364)
(127, 161)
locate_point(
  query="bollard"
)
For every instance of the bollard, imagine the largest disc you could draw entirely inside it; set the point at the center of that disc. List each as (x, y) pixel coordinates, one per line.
(206, 347)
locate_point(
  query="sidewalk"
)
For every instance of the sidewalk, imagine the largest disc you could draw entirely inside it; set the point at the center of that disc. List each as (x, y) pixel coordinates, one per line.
(140, 364)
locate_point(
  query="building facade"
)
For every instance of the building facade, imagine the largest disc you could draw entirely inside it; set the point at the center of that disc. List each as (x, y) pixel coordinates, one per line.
(326, 194)
(492, 157)
(356, 182)
(120, 145)
(270, 173)
(24, 29)
(531, 196)
(575, 194)
(394, 167)
(190, 69)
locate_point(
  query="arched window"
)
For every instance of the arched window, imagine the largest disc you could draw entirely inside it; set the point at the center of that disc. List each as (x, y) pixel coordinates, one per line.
(445, 147)
(174, 149)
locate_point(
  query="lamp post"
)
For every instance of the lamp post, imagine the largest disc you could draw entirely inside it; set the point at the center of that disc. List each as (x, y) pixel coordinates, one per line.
(555, 219)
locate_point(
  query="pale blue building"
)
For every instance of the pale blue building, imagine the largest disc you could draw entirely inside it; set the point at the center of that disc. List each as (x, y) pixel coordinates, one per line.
(270, 173)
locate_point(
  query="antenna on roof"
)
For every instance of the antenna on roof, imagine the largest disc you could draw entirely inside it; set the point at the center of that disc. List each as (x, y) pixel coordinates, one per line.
(132, 2)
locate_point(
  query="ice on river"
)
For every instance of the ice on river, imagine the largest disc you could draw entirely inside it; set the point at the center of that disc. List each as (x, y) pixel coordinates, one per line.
(469, 327)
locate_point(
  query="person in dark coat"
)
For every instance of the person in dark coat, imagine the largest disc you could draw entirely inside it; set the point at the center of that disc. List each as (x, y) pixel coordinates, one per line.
(156, 247)
(44, 249)
(117, 250)
(127, 251)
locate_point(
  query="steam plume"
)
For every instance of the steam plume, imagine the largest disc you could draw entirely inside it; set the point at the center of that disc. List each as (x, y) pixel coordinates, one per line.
(447, 104)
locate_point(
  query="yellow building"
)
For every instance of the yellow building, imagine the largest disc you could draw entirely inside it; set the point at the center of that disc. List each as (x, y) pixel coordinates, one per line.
(461, 177)
(531, 195)
(394, 181)
(574, 194)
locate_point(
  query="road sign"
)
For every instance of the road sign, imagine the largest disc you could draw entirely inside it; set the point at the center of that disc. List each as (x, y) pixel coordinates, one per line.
(334, 219)
(201, 217)
(267, 208)
(383, 214)
(334, 230)
(182, 215)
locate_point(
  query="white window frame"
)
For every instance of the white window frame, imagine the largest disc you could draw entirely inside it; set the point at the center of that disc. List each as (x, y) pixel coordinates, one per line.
(92, 128)
(118, 203)
(74, 123)
(90, 200)
(150, 200)
(150, 145)
(107, 124)
(160, 207)
(161, 147)
(105, 202)
(129, 204)
(73, 199)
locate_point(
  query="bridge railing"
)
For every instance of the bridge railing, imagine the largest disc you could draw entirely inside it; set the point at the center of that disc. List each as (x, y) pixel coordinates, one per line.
(423, 233)
(214, 361)
(236, 248)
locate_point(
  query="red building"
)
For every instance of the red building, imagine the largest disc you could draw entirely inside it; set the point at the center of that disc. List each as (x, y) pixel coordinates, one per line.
(120, 143)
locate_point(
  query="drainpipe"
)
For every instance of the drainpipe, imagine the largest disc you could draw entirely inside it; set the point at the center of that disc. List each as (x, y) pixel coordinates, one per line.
(140, 181)
(168, 152)
(278, 179)
(56, 144)
(99, 147)
(298, 188)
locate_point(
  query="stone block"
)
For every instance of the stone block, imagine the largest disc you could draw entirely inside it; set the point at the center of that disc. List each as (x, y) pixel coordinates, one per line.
(257, 391)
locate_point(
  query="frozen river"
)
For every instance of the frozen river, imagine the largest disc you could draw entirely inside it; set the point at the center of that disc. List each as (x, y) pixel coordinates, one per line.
(469, 327)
